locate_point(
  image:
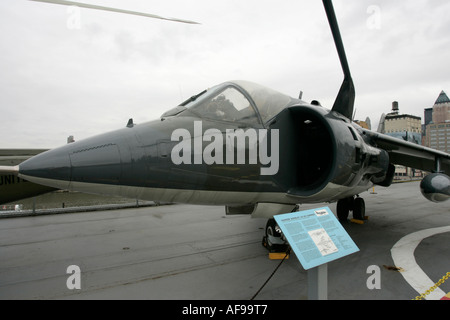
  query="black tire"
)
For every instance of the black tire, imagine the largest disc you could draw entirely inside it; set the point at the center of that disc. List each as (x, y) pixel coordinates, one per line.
(273, 239)
(343, 209)
(270, 228)
(359, 209)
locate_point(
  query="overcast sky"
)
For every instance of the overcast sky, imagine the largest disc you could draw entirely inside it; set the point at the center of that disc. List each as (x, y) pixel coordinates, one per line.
(84, 72)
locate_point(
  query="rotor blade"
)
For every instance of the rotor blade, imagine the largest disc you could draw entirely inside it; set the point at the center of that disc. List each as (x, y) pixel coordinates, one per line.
(91, 6)
(345, 99)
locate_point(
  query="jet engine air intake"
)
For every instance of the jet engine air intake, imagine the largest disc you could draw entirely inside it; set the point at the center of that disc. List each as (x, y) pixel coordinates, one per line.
(322, 148)
(309, 149)
(315, 150)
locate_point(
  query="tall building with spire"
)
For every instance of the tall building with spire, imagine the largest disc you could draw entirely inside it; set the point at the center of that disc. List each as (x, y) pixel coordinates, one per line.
(438, 130)
(441, 109)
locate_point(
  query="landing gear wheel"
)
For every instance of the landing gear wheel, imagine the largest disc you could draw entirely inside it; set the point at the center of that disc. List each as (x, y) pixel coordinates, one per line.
(359, 209)
(343, 208)
(273, 240)
(271, 228)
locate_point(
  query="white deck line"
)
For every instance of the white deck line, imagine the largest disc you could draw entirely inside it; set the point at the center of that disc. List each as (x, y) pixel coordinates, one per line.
(403, 256)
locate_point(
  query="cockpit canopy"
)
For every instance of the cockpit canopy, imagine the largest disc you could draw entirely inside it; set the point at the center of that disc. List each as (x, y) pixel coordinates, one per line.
(237, 101)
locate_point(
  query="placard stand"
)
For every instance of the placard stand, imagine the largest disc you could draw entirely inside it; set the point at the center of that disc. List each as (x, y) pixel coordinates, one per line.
(318, 283)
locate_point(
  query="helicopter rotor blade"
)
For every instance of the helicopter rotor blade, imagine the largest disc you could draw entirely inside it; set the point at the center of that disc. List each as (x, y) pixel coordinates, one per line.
(96, 7)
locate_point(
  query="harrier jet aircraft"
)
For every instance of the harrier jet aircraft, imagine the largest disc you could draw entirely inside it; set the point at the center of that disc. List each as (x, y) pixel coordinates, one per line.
(246, 147)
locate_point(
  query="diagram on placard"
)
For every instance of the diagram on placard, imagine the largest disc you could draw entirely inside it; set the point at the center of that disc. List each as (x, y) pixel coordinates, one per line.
(323, 241)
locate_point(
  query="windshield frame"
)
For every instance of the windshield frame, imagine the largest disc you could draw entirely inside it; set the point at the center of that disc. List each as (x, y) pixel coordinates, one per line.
(265, 102)
(216, 91)
(273, 100)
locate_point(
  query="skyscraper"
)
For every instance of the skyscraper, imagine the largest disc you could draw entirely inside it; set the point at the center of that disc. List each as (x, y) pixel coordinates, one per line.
(438, 130)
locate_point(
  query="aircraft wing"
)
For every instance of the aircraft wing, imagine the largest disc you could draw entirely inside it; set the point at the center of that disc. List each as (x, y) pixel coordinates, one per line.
(12, 187)
(410, 154)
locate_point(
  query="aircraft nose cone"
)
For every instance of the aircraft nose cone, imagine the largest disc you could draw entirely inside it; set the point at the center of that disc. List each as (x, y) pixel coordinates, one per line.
(51, 168)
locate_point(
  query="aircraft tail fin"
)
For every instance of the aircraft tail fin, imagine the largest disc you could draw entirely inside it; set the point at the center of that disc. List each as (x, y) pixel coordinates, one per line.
(344, 103)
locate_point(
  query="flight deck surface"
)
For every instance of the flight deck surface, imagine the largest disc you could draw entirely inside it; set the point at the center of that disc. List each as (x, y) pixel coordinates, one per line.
(196, 252)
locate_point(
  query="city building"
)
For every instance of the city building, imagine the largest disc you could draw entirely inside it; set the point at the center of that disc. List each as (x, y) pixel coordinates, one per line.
(403, 126)
(437, 134)
(406, 127)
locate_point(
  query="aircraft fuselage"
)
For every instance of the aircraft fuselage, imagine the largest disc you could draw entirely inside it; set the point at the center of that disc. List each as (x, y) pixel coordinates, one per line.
(291, 158)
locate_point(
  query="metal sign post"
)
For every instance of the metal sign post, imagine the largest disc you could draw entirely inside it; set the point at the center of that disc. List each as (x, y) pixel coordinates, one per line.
(316, 237)
(318, 283)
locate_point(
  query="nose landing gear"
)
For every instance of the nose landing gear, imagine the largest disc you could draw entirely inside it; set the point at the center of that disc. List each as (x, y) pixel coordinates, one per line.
(273, 239)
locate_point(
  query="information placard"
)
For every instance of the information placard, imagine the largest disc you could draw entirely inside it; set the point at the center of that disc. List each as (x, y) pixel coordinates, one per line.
(315, 236)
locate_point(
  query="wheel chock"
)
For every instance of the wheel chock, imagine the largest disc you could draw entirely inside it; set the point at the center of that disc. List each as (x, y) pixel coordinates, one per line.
(357, 221)
(278, 256)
